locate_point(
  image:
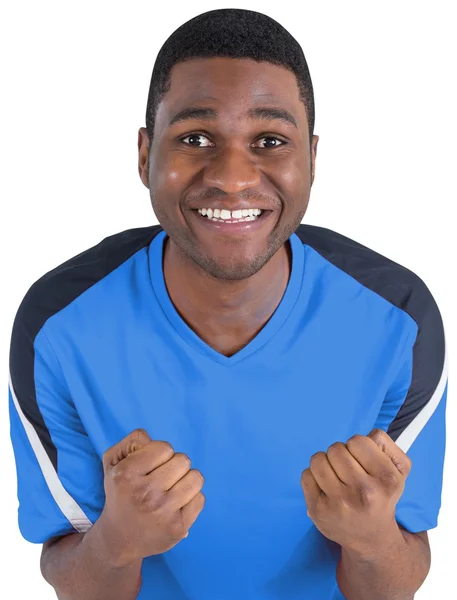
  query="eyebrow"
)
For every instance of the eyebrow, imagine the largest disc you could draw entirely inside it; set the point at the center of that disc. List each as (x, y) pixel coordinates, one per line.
(260, 113)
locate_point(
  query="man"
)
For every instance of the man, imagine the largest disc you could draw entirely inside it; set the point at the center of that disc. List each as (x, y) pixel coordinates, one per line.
(296, 375)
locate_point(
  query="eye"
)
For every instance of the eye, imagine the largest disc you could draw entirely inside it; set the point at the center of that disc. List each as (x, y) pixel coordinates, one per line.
(195, 136)
(271, 138)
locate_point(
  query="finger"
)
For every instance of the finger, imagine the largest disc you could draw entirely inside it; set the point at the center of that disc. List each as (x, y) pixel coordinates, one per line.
(370, 456)
(346, 467)
(185, 489)
(192, 509)
(399, 458)
(134, 441)
(311, 490)
(146, 459)
(166, 475)
(325, 476)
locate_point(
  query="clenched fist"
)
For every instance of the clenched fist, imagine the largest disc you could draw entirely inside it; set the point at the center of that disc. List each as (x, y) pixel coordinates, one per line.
(152, 497)
(352, 490)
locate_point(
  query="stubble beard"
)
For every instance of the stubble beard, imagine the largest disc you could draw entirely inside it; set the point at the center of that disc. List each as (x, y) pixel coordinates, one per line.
(231, 270)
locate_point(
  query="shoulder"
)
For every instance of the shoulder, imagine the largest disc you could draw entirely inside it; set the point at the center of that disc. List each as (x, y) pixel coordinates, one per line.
(397, 284)
(63, 284)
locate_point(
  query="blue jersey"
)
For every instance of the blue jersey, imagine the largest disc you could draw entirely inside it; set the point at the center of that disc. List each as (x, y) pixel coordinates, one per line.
(98, 350)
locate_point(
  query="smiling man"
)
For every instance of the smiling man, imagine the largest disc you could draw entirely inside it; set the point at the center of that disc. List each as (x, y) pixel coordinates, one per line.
(296, 376)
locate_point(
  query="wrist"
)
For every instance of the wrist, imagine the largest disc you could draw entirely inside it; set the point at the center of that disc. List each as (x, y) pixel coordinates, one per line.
(388, 539)
(107, 547)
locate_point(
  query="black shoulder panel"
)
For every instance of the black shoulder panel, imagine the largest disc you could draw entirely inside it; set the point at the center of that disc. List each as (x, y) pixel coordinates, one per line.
(50, 294)
(402, 288)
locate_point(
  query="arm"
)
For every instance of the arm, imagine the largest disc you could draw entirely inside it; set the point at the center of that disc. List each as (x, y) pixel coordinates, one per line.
(377, 501)
(413, 414)
(97, 517)
(143, 516)
(59, 473)
(80, 566)
(395, 569)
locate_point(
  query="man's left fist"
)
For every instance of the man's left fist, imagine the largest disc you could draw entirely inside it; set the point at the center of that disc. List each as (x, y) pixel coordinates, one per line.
(352, 489)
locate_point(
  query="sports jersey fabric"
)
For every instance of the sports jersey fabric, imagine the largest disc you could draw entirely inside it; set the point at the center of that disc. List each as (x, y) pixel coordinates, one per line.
(98, 350)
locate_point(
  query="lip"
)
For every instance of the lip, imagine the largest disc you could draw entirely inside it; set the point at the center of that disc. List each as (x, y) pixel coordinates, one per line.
(233, 228)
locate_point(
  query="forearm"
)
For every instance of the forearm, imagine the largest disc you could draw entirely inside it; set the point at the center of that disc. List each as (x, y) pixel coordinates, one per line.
(80, 567)
(394, 570)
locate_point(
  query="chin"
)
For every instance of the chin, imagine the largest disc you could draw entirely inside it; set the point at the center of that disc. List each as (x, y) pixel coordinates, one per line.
(233, 270)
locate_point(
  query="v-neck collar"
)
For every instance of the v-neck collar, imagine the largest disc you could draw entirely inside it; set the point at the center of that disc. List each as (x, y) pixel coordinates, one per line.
(275, 323)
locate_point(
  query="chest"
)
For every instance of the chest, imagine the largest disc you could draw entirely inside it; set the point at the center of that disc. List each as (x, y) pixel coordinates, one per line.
(294, 397)
(250, 427)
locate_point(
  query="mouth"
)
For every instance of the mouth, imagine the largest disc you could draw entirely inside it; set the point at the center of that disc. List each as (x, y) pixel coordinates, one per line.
(235, 221)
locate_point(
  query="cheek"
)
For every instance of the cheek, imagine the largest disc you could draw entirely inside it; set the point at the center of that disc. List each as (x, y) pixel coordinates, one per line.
(167, 175)
(295, 180)
(170, 178)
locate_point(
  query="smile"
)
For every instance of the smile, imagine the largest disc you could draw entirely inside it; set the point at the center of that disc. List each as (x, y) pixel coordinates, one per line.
(234, 222)
(234, 216)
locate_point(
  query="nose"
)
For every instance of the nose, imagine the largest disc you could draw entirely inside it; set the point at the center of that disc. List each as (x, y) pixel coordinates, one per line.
(232, 170)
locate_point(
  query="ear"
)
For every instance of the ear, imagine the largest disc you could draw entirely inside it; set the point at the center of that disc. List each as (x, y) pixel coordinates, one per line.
(143, 155)
(313, 156)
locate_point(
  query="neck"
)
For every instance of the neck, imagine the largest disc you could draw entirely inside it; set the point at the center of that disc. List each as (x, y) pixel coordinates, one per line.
(227, 315)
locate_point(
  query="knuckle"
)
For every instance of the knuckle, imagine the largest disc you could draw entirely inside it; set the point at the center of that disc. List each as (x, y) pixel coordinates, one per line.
(317, 463)
(151, 499)
(335, 448)
(176, 526)
(355, 441)
(136, 439)
(367, 495)
(389, 479)
(139, 432)
(380, 432)
(305, 476)
(183, 458)
(356, 438)
(164, 448)
(316, 458)
(197, 475)
(378, 435)
(198, 502)
(196, 479)
(121, 474)
(191, 481)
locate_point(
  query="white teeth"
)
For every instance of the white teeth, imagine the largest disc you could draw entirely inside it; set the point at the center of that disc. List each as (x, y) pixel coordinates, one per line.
(235, 216)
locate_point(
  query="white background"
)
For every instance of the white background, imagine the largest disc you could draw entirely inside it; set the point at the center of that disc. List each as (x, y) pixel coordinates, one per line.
(75, 78)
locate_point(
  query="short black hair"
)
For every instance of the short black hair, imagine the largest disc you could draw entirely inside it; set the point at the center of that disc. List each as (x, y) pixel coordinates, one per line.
(234, 33)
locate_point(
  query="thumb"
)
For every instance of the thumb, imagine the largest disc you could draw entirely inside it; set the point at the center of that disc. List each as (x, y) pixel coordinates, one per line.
(134, 441)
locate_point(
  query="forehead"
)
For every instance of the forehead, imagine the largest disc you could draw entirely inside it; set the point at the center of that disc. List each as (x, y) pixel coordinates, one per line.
(232, 85)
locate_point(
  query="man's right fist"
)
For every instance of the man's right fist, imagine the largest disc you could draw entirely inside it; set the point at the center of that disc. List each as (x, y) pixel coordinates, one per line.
(152, 498)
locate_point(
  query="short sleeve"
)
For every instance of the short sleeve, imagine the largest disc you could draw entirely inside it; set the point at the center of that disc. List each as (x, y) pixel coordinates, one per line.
(59, 474)
(414, 415)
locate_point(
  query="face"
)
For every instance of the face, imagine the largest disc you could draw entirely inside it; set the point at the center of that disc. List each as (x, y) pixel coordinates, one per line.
(230, 165)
